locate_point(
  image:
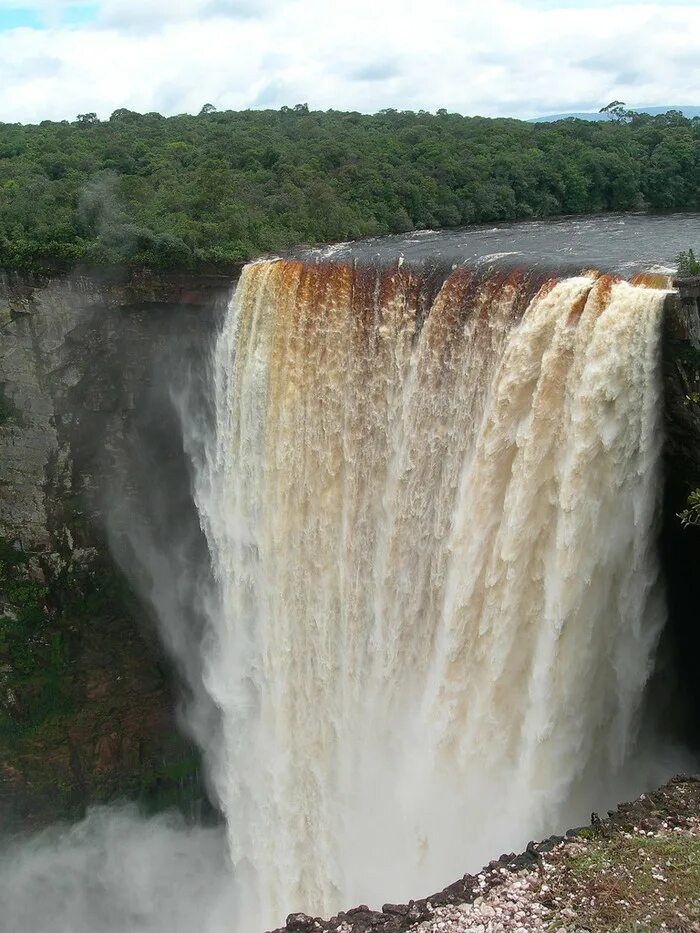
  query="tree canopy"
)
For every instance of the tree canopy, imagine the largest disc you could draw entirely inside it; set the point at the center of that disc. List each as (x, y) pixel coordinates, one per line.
(219, 187)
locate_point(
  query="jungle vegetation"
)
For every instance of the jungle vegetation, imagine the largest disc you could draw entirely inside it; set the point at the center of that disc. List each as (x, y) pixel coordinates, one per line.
(219, 187)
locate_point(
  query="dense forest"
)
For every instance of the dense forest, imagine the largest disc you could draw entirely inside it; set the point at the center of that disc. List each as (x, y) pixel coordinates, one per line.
(208, 190)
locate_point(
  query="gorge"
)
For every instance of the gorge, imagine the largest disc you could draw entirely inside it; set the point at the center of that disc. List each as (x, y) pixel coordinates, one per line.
(404, 513)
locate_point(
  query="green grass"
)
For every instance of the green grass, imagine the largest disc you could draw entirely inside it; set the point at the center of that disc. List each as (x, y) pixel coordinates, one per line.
(636, 883)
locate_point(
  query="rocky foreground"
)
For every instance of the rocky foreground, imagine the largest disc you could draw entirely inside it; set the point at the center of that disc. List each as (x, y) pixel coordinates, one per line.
(637, 870)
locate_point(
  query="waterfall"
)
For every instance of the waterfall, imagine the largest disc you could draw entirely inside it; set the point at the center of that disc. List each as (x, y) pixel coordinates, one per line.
(431, 507)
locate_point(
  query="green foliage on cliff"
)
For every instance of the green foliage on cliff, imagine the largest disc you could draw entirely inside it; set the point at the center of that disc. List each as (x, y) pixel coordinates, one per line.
(688, 264)
(691, 515)
(211, 189)
(32, 659)
(84, 713)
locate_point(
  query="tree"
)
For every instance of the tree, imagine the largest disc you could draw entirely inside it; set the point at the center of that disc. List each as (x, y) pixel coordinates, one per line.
(616, 111)
(124, 115)
(207, 108)
(87, 118)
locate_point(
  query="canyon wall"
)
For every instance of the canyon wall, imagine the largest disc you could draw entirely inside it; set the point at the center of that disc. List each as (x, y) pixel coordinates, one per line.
(680, 546)
(87, 698)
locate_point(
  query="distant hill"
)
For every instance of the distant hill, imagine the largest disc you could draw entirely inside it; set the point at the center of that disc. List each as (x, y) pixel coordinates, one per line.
(689, 112)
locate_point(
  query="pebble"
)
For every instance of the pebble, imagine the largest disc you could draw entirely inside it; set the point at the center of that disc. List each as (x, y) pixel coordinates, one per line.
(508, 907)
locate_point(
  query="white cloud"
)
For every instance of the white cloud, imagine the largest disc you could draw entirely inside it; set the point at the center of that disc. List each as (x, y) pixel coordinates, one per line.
(501, 57)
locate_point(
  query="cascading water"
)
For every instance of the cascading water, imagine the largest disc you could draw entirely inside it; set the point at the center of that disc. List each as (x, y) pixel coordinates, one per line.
(431, 513)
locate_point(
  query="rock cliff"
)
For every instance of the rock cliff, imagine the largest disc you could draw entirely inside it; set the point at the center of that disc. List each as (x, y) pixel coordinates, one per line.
(86, 700)
(680, 546)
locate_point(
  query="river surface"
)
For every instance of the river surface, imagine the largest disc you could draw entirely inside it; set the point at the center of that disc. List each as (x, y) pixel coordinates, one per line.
(622, 243)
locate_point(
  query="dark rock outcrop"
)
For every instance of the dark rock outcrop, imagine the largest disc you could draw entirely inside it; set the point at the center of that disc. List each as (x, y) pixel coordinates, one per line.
(680, 546)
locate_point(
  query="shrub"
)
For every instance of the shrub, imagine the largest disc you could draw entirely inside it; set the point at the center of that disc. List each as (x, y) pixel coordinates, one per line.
(688, 264)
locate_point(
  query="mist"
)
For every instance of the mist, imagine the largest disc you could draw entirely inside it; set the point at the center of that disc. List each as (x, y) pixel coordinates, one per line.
(117, 871)
(120, 869)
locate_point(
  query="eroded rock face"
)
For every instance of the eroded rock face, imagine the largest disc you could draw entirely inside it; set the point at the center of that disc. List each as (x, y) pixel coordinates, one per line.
(85, 691)
(680, 546)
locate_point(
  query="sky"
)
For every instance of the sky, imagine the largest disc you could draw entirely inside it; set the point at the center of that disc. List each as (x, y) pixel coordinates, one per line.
(518, 58)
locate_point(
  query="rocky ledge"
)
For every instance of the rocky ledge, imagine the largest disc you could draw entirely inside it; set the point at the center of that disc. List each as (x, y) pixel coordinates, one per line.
(115, 287)
(637, 869)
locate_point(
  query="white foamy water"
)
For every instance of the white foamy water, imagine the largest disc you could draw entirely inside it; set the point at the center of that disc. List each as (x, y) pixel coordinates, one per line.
(432, 524)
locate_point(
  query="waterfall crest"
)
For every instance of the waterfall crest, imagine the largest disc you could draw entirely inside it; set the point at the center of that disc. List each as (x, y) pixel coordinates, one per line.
(430, 505)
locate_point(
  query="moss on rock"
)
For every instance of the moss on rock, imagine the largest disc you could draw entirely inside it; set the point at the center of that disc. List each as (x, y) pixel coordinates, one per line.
(85, 711)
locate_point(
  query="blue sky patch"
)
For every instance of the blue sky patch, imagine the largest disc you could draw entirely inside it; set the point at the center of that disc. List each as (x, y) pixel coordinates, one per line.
(19, 18)
(78, 14)
(35, 17)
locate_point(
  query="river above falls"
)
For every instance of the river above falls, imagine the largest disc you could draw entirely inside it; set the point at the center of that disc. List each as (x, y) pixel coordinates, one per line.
(619, 243)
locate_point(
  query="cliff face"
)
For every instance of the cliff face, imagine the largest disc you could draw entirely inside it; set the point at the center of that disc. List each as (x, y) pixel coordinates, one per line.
(680, 546)
(86, 704)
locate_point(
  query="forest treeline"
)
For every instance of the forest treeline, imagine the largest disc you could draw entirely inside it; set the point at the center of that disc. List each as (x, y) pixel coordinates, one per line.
(216, 188)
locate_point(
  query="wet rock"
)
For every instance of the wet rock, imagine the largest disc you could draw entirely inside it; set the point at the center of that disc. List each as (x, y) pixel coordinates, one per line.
(400, 910)
(301, 923)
